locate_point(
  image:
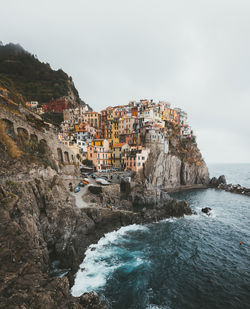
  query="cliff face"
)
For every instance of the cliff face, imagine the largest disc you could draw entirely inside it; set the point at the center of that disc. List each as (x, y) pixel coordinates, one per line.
(39, 224)
(169, 171)
(182, 166)
(39, 220)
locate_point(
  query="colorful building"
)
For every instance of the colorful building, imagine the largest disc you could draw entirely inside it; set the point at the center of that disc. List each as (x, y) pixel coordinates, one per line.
(92, 118)
(56, 106)
(136, 158)
(119, 155)
(99, 153)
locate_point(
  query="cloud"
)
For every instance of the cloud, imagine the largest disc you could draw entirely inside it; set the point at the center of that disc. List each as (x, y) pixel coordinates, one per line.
(193, 53)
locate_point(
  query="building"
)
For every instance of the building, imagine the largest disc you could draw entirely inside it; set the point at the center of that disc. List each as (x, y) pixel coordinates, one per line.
(126, 124)
(92, 118)
(182, 116)
(136, 158)
(32, 104)
(119, 154)
(56, 106)
(99, 153)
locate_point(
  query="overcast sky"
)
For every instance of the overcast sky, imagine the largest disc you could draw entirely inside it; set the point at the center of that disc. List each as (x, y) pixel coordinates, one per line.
(194, 54)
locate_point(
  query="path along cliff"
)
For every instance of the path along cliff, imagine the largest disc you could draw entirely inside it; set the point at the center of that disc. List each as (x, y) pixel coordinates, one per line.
(40, 221)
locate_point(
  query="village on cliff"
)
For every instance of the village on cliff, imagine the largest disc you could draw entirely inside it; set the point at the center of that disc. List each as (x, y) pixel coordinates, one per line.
(119, 137)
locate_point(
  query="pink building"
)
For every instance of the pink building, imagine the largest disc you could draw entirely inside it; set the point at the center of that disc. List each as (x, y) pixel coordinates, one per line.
(136, 158)
(99, 153)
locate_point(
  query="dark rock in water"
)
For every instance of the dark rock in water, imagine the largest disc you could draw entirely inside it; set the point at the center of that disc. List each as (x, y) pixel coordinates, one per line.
(222, 179)
(95, 189)
(91, 300)
(234, 189)
(206, 210)
(215, 182)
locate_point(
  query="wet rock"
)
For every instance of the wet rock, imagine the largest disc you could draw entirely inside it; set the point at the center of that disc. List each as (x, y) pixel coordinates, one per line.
(206, 210)
(234, 188)
(91, 301)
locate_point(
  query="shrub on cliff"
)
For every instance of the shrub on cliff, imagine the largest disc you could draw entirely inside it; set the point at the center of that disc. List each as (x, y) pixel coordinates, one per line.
(9, 145)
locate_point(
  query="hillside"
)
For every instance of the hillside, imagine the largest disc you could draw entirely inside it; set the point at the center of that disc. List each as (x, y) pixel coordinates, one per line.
(22, 72)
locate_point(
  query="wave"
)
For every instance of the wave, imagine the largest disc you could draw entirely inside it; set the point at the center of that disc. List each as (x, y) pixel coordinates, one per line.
(103, 258)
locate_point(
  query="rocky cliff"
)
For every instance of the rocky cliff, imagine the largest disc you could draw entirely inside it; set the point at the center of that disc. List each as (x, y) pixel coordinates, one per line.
(40, 222)
(183, 166)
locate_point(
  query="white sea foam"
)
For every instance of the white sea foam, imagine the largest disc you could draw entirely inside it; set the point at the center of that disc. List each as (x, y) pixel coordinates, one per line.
(157, 307)
(171, 220)
(100, 261)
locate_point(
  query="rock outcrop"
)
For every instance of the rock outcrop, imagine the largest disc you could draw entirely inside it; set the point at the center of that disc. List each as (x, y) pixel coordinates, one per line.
(206, 210)
(221, 183)
(169, 171)
(215, 182)
(40, 224)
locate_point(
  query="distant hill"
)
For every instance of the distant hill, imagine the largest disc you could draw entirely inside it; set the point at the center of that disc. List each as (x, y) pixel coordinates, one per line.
(34, 80)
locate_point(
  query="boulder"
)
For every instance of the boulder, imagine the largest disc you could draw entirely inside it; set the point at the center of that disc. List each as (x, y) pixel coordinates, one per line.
(206, 210)
(215, 182)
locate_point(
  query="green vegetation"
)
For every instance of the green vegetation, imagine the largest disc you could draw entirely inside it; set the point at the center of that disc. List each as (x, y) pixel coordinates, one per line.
(87, 162)
(10, 183)
(8, 144)
(23, 73)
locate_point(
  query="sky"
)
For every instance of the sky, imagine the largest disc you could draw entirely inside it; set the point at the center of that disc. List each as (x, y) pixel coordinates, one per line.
(194, 54)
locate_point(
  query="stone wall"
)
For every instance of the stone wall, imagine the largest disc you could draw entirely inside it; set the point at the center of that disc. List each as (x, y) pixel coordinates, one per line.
(45, 135)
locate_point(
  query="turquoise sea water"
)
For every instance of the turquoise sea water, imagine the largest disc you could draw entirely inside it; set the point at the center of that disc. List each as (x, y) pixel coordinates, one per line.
(192, 262)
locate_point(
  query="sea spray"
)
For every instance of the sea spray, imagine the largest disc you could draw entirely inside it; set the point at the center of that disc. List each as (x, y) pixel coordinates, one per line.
(103, 258)
(178, 263)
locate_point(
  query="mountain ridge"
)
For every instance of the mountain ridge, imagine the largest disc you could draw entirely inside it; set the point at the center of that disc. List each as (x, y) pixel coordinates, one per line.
(33, 79)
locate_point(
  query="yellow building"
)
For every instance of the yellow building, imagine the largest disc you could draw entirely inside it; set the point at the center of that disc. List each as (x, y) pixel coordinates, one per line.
(170, 115)
(92, 118)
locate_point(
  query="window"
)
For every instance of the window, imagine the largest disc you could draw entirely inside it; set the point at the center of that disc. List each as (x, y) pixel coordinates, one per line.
(139, 158)
(143, 158)
(139, 164)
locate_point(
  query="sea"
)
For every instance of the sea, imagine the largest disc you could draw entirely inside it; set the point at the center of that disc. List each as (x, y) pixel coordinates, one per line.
(195, 262)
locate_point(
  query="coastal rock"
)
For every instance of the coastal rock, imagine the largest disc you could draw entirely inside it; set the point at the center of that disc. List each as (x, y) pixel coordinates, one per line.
(169, 171)
(91, 300)
(215, 182)
(234, 189)
(40, 223)
(206, 210)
